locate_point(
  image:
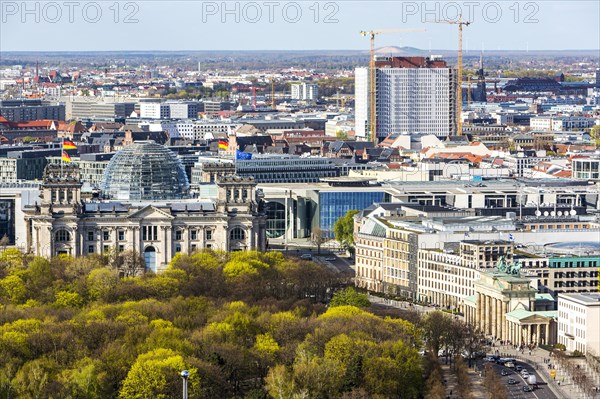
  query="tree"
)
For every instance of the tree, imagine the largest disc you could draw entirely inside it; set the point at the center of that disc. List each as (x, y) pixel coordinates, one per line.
(595, 135)
(344, 229)
(155, 375)
(436, 327)
(349, 296)
(318, 238)
(4, 241)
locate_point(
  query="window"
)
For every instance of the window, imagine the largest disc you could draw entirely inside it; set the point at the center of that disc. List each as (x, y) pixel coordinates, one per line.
(121, 248)
(90, 249)
(106, 248)
(62, 236)
(106, 235)
(209, 235)
(178, 235)
(91, 235)
(178, 248)
(194, 234)
(121, 234)
(194, 247)
(237, 234)
(149, 233)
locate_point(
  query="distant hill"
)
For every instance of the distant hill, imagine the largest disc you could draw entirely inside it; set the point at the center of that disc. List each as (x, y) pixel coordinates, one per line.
(399, 51)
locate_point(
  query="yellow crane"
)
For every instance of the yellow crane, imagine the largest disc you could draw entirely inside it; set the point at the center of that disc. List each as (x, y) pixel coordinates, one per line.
(460, 24)
(372, 88)
(273, 93)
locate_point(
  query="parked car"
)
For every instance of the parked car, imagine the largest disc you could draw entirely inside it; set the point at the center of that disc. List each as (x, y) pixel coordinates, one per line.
(524, 372)
(306, 256)
(518, 368)
(504, 372)
(509, 365)
(512, 381)
(330, 258)
(527, 388)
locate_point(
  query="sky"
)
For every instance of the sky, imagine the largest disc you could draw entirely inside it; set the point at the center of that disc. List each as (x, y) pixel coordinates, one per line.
(111, 25)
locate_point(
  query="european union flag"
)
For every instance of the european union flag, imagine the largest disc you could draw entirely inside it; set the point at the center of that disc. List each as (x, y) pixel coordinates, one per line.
(242, 156)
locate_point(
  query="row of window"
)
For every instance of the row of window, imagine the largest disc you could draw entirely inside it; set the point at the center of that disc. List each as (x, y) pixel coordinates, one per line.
(150, 233)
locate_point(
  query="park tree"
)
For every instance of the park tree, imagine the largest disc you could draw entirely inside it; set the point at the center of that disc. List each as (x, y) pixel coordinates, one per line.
(155, 375)
(344, 229)
(436, 327)
(349, 296)
(318, 238)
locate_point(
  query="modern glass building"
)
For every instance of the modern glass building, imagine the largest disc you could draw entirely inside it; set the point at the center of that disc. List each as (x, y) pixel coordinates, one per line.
(145, 171)
(333, 205)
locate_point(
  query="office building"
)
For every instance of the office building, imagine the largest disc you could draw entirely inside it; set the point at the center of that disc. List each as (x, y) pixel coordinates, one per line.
(101, 111)
(585, 168)
(413, 95)
(578, 321)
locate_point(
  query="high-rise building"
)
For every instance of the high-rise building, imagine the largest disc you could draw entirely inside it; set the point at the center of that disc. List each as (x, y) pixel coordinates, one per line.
(305, 91)
(413, 95)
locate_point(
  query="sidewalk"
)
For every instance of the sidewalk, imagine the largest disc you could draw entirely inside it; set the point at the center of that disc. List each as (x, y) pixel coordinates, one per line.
(567, 389)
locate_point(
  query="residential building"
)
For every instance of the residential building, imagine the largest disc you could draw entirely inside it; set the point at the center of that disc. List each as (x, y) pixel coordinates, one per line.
(31, 110)
(305, 91)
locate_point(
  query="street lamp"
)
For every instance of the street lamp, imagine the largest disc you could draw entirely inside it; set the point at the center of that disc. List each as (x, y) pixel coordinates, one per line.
(185, 375)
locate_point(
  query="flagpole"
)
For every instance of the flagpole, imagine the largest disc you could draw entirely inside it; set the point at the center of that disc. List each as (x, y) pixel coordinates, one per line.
(62, 151)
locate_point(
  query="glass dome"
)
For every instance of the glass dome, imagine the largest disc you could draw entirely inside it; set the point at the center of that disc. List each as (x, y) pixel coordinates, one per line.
(145, 170)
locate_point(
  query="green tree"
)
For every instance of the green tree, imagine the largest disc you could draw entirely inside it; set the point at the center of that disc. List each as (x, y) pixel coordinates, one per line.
(344, 229)
(155, 375)
(13, 288)
(101, 282)
(349, 296)
(280, 383)
(11, 257)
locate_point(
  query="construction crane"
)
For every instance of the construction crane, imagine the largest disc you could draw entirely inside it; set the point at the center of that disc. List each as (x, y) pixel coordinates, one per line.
(460, 24)
(273, 94)
(372, 90)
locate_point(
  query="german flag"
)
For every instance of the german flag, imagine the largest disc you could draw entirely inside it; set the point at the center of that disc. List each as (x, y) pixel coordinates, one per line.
(223, 145)
(66, 157)
(69, 145)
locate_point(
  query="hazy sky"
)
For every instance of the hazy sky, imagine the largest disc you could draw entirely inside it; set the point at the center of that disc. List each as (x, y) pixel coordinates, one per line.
(293, 25)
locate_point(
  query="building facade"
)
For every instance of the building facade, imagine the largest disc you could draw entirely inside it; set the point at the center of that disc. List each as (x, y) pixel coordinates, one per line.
(413, 95)
(578, 321)
(305, 92)
(157, 230)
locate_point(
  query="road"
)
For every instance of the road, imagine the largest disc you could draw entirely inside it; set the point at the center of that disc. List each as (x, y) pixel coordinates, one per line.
(516, 391)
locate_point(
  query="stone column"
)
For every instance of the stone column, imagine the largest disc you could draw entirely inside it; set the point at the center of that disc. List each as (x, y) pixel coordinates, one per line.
(547, 334)
(499, 319)
(479, 310)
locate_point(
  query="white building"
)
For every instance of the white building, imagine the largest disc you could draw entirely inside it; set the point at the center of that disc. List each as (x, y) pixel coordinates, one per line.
(578, 322)
(155, 110)
(414, 95)
(560, 123)
(361, 102)
(305, 91)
